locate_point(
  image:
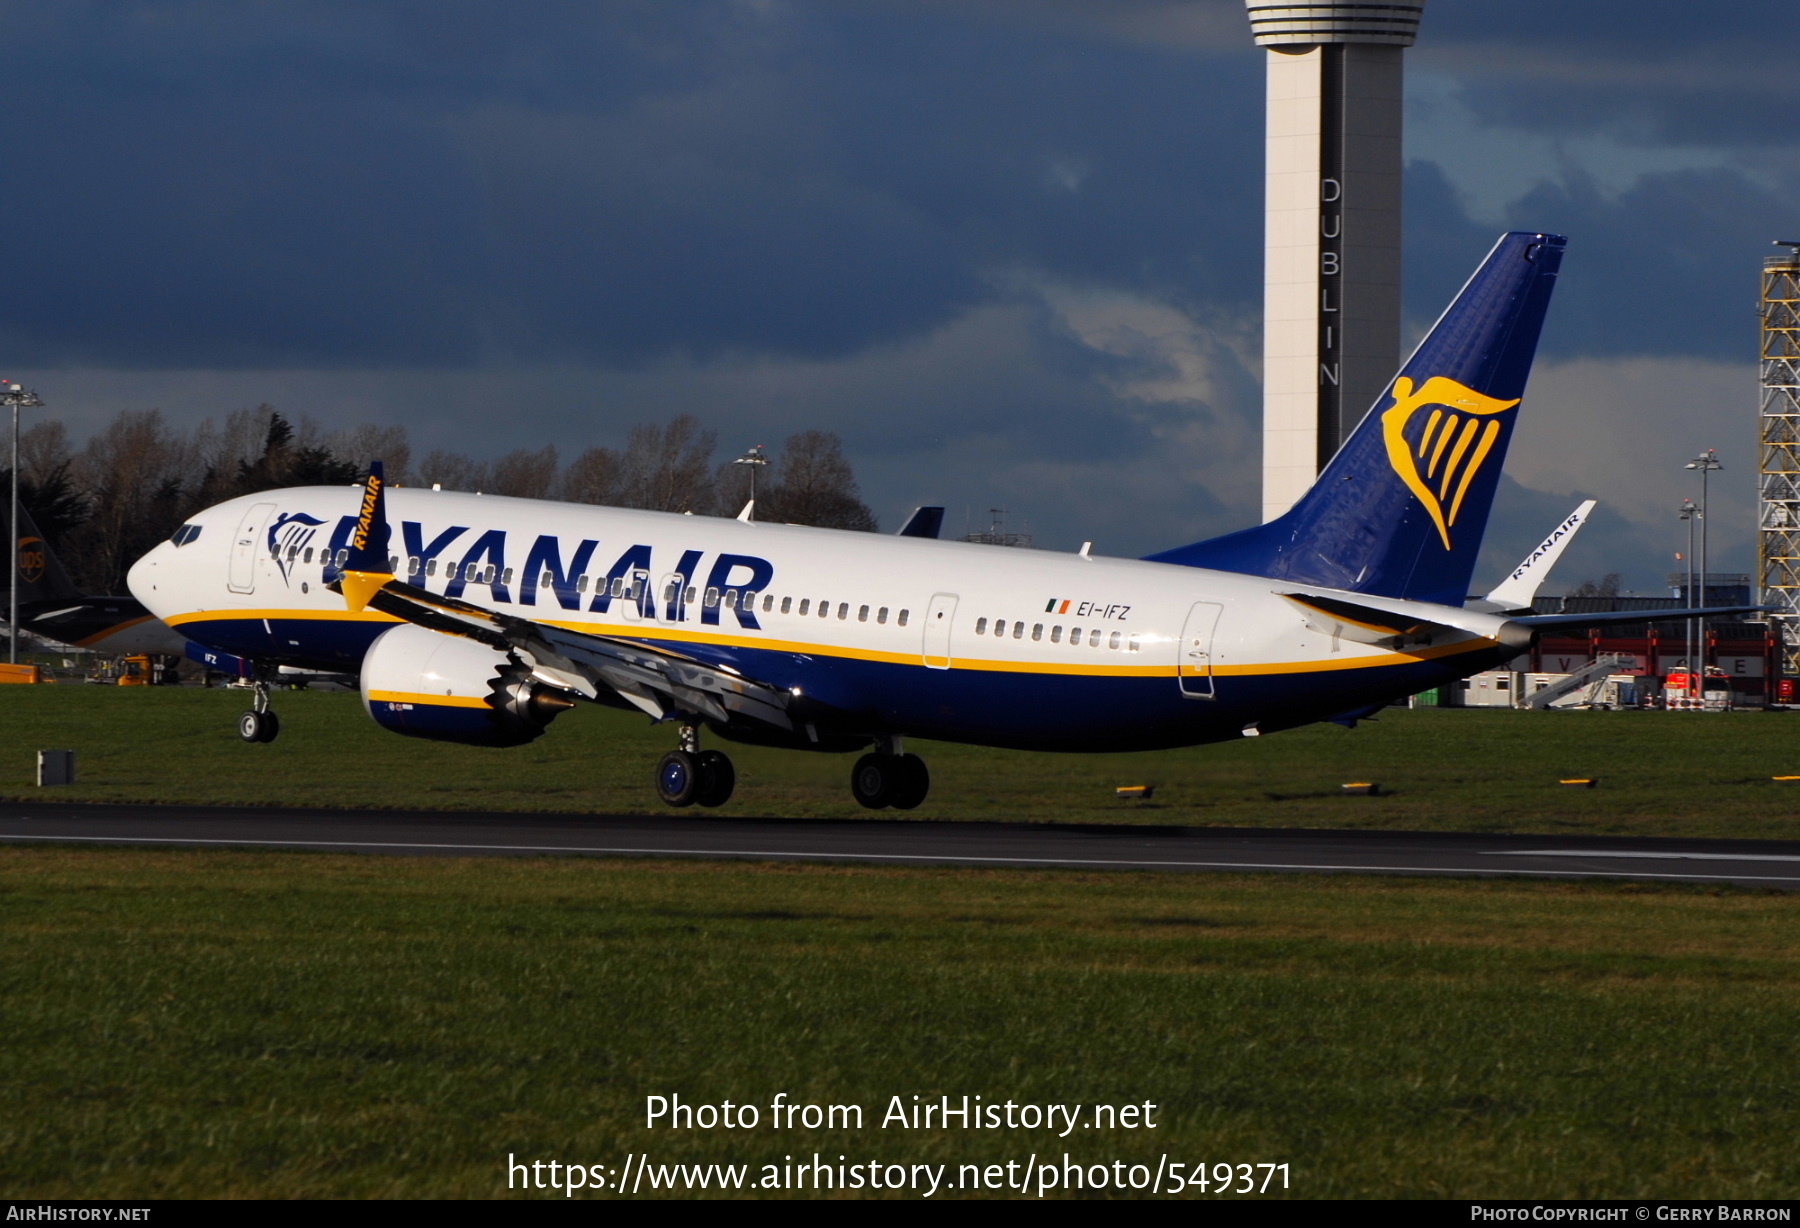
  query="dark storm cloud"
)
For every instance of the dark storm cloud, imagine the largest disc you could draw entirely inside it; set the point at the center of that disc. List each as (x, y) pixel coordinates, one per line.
(440, 185)
(1668, 266)
(1658, 73)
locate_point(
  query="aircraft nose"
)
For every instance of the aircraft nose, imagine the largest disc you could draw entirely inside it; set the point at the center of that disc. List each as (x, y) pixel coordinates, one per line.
(147, 577)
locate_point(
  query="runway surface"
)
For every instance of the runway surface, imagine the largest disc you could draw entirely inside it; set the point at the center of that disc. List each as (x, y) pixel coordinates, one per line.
(1124, 846)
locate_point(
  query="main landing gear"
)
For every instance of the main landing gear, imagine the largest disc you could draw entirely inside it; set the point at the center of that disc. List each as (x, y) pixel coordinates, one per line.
(890, 777)
(260, 724)
(691, 776)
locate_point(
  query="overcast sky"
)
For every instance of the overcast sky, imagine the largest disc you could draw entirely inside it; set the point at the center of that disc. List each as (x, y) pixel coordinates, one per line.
(1009, 249)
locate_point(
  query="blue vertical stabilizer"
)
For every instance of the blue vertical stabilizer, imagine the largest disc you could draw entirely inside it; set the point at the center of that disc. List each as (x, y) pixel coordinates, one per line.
(1401, 509)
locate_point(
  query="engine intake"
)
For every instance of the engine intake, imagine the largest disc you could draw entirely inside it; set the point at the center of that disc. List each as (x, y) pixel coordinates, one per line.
(451, 689)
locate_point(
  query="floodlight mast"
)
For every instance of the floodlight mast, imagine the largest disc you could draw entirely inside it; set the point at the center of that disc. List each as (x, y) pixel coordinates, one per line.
(1707, 463)
(755, 459)
(19, 398)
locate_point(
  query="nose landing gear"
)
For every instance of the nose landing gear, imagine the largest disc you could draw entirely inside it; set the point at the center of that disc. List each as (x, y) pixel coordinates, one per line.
(694, 777)
(260, 723)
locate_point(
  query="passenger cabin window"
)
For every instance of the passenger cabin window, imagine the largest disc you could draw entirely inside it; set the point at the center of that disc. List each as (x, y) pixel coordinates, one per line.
(1056, 634)
(999, 626)
(824, 609)
(712, 598)
(903, 618)
(862, 615)
(307, 558)
(805, 604)
(1094, 638)
(412, 565)
(1131, 645)
(1037, 631)
(581, 583)
(505, 576)
(689, 597)
(787, 605)
(881, 615)
(1018, 631)
(1113, 641)
(768, 602)
(731, 597)
(981, 626)
(431, 568)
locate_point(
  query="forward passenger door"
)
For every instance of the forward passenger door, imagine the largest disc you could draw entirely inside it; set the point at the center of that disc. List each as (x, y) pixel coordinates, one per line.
(246, 548)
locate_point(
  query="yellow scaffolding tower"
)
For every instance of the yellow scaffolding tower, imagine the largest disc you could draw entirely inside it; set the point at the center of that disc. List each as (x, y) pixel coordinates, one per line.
(1778, 535)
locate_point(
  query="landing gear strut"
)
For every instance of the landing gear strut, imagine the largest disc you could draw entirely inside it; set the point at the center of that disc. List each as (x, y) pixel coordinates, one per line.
(691, 776)
(890, 777)
(259, 724)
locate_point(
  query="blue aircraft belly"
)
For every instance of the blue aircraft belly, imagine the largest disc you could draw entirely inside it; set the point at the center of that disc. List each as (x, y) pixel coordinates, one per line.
(1026, 711)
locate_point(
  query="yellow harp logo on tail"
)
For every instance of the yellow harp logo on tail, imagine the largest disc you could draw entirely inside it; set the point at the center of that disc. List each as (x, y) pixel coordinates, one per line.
(1442, 461)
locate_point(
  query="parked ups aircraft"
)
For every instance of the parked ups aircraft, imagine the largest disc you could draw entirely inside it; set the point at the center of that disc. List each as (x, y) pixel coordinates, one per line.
(51, 606)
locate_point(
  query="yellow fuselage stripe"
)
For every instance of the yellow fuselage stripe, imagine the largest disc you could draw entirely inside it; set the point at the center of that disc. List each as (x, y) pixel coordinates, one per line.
(657, 633)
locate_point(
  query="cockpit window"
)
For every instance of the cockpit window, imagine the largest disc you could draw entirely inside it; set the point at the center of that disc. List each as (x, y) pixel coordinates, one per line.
(185, 534)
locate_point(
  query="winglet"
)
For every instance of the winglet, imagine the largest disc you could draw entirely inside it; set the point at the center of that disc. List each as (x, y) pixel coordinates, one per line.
(366, 569)
(1514, 594)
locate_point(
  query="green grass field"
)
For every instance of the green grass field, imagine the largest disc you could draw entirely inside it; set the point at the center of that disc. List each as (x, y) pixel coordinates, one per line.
(1660, 773)
(268, 1024)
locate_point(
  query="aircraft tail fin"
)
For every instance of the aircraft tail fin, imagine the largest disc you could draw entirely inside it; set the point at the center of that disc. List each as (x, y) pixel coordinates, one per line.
(924, 522)
(367, 566)
(1401, 509)
(42, 576)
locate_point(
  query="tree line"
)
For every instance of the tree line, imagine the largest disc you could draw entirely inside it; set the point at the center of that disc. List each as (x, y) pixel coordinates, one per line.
(101, 506)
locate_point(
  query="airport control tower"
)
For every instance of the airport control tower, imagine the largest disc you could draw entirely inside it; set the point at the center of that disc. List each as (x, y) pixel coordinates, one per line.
(1331, 259)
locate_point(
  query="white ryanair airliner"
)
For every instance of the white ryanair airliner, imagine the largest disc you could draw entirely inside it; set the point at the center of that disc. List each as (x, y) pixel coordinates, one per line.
(478, 619)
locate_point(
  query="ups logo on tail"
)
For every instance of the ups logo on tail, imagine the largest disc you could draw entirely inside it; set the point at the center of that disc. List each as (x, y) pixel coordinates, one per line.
(32, 559)
(1439, 460)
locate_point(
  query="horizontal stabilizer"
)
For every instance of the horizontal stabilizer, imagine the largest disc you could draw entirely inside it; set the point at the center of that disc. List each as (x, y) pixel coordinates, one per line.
(1540, 622)
(1389, 626)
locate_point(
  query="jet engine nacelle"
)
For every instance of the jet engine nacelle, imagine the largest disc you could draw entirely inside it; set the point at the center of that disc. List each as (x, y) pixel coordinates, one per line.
(452, 689)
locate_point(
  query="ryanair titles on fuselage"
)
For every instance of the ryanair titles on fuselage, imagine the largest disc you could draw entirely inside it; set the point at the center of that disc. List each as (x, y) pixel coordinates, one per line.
(462, 555)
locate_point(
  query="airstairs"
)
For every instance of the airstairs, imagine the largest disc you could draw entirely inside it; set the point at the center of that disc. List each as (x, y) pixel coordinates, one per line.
(1592, 676)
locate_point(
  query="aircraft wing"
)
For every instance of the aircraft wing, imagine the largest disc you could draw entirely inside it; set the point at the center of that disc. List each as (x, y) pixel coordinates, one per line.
(660, 682)
(656, 680)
